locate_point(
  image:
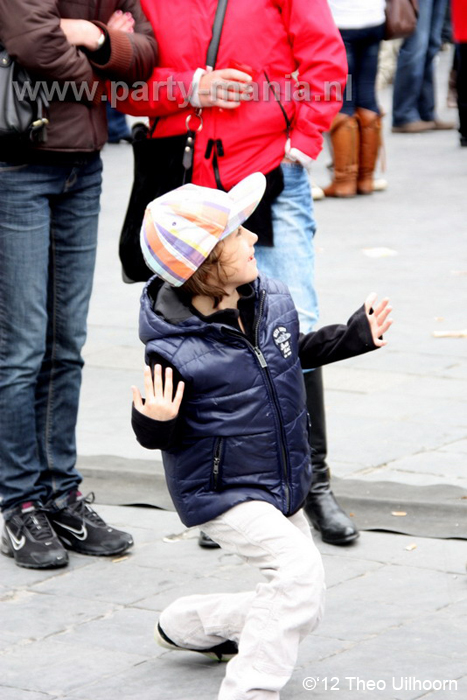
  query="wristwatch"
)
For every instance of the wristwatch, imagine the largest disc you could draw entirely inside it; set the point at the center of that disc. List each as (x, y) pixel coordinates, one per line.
(101, 40)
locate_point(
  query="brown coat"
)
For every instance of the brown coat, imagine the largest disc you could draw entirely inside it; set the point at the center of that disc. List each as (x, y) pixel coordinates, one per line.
(30, 31)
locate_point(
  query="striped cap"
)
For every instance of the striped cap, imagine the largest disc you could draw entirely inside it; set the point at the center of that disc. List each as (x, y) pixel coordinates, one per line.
(181, 228)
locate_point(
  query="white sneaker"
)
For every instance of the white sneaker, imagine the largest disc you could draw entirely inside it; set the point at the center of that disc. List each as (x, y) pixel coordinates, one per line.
(317, 192)
(380, 184)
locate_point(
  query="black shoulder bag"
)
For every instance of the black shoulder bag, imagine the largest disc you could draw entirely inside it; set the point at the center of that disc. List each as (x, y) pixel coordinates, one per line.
(22, 103)
(160, 165)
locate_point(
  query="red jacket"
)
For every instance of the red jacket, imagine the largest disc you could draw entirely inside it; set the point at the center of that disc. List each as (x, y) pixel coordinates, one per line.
(265, 37)
(459, 20)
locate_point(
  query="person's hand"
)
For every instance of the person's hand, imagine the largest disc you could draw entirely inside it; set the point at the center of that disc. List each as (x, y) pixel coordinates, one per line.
(160, 403)
(378, 318)
(122, 21)
(80, 32)
(226, 88)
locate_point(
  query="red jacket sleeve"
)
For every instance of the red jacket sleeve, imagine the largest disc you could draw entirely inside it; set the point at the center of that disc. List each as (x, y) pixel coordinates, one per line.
(322, 67)
(166, 92)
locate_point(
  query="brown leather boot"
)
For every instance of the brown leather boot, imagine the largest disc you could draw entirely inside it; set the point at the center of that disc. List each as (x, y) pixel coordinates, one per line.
(344, 141)
(370, 141)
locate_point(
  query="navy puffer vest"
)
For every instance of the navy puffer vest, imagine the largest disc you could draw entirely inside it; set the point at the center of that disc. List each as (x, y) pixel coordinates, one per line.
(245, 424)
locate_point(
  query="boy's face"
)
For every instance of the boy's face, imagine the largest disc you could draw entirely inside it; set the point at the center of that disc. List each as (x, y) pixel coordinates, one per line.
(238, 257)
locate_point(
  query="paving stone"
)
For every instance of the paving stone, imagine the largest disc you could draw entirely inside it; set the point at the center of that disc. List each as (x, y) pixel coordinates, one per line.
(199, 585)
(173, 676)
(350, 439)
(458, 446)
(318, 647)
(8, 693)
(397, 405)
(130, 630)
(340, 569)
(445, 695)
(13, 576)
(28, 615)
(403, 471)
(122, 583)
(53, 666)
(351, 672)
(370, 610)
(445, 556)
(436, 633)
(6, 639)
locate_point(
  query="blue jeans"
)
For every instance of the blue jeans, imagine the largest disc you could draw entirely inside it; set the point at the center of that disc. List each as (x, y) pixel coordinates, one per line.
(362, 47)
(414, 92)
(292, 258)
(48, 238)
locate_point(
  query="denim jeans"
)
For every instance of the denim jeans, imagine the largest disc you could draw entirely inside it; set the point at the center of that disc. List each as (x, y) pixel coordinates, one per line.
(292, 258)
(269, 622)
(362, 47)
(48, 238)
(414, 92)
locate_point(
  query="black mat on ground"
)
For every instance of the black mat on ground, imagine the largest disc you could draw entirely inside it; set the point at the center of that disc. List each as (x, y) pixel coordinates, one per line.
(438, 511)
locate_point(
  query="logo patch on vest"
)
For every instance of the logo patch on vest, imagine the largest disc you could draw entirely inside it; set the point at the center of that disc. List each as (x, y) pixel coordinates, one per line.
(281, 338)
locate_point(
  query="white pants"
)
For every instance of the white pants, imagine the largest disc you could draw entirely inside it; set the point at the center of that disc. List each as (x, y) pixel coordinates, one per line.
(268, 623)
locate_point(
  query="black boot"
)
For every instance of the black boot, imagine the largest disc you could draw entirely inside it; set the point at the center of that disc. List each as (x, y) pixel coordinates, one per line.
(321, 507)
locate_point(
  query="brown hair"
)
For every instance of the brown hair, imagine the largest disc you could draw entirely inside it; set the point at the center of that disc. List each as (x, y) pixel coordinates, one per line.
(201, 281)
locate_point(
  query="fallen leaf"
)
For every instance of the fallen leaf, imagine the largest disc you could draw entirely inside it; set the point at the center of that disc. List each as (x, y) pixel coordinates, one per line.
(411, 547)
(379, 252)
(189, 534)
(450, 334)
(398, 513)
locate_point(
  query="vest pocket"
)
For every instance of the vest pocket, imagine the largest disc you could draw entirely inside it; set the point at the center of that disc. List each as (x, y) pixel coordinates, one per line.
(216, 464)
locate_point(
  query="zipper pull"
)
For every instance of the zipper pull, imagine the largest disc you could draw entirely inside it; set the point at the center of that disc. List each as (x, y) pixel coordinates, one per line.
(261, 358)
(189, 148)
(215, 471)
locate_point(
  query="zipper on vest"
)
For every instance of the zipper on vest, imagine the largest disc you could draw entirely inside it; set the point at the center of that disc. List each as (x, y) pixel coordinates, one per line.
(264, 365)
(216, 464)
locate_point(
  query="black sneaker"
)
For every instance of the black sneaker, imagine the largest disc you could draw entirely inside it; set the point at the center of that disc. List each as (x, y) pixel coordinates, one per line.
(30, 539)
(221, 652)
(206, 542)
(81, 529)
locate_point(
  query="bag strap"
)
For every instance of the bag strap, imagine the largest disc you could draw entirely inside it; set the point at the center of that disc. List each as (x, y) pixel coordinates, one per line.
(216, 34)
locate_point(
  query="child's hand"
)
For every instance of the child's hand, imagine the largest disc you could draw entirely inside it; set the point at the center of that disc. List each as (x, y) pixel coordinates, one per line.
(160, 403)
(123, 21)
(378, 318)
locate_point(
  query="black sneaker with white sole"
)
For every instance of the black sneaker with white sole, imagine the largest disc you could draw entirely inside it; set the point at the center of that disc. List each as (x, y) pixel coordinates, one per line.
(30, 539)
(221, 652)
(82, 530)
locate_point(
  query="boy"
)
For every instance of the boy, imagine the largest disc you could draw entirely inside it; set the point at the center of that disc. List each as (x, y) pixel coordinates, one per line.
(234, 434)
